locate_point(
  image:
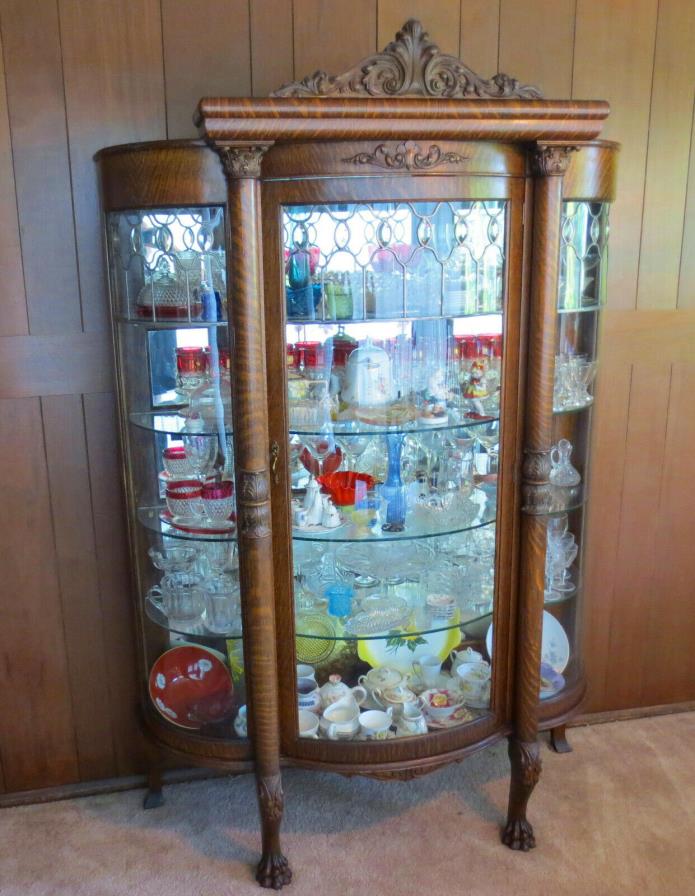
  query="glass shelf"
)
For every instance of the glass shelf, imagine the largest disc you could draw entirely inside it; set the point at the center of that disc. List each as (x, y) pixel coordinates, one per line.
(323, 625)
(358, 427)
(150, 518)
(182, 323)
(574, 409)
(583, 310)
(159, 617)
(570, 507)
(173, 424)
(418, 526)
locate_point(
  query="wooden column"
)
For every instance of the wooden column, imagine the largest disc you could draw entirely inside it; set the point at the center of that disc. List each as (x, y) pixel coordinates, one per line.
(549, 164)
(242, 165)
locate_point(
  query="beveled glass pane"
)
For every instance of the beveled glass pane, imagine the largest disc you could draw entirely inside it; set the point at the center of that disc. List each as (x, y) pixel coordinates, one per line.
(583, 255)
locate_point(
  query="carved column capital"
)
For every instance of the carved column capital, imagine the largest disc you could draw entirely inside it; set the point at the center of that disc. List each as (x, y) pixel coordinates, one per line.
(551, 161)
(243, 160)
(253, 503)
(535, 486)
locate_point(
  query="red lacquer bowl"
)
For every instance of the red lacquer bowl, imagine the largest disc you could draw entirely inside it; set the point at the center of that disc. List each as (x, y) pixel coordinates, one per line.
(191, 687)
(342, 486)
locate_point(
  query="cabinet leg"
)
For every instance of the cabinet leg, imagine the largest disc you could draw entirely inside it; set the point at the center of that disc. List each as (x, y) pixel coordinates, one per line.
(526, 769)
(558, 739)
(154, 798)
(273, 870)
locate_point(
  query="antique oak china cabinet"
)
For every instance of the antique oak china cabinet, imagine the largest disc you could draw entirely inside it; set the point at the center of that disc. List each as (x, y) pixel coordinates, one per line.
(355, 331)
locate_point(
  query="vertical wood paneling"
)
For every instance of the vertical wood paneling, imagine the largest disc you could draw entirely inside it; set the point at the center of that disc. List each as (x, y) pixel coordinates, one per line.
(113, 565)
(479, 39)
(636, 556)
(37, 741)
(332, 34)
(536, 43)
(42, 168)
(13, 312)
(667, 158)
(686, 276)
(272, 48)
(668, 656)
(442, 21)
(114, 93)
(69, 487)
(206, 53)
(613, 59)
(608, 446)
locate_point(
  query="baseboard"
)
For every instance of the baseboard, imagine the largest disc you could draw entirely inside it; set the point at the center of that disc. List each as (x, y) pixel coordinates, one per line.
(179, 776)
(636, 712)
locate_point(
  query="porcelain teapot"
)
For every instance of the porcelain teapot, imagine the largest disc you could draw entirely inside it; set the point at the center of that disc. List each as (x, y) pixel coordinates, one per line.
(468, 655)
(368, 377)
(335, 689)
(395, 698)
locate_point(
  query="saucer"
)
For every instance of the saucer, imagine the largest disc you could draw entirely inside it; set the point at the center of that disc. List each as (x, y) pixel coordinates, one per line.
(197, 525)
(458, 717)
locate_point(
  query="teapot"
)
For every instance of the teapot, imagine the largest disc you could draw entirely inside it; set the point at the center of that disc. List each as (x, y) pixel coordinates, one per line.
(335, 689)
(468, 655)
(368, 377)
(382, 677)
(395, 698)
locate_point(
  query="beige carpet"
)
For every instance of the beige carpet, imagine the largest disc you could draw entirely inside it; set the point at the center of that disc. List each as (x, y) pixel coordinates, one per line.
(615, 817)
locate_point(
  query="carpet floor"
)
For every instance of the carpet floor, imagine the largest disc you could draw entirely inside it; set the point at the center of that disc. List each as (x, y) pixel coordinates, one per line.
(614, 818)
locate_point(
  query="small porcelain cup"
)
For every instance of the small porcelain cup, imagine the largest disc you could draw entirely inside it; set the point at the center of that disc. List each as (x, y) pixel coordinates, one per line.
(308, 696)
(375, 724)
(474, 682)
(304, 670)
(341, 719)
(428, 669)
(308, 724)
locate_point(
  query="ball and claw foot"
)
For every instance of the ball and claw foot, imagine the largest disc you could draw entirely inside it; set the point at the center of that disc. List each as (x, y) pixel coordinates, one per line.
(273, 871)
(518, 834)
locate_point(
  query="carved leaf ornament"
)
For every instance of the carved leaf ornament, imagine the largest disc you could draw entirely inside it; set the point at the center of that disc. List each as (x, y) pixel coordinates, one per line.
(411, 65)
(408, 156)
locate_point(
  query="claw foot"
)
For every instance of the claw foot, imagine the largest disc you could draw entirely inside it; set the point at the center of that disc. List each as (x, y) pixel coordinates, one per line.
(273, 872)
(519, 835)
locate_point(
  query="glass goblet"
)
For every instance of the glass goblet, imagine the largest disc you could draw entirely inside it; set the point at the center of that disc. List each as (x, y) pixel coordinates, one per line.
(200, 451)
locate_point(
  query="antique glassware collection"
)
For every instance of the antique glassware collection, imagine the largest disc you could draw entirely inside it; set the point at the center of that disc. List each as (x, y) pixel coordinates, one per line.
(355, 463)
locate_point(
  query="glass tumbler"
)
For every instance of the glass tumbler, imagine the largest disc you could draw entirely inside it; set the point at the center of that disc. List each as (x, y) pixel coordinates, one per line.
(222, 605)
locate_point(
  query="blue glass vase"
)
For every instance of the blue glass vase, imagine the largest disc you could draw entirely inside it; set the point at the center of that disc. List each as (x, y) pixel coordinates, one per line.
(393, 491)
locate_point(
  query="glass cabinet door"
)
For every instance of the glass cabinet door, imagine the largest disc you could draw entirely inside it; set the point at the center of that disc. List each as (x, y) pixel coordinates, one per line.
(394, 334)
(168, 286)
(583, 267)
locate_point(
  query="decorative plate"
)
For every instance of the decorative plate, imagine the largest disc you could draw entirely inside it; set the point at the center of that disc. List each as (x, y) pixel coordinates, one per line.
(190, 686)
(555, 646)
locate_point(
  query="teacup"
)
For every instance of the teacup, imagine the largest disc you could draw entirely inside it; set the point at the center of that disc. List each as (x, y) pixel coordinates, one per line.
(375, 724)
(241, 723)
(341, 719)
(304, 670)
(308, 723)
(474, 682)
(308, 696)
(428, 669)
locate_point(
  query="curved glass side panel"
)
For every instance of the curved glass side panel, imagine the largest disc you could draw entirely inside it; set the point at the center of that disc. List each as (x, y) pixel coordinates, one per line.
(583, 255)
(394, 352)
(167, 269)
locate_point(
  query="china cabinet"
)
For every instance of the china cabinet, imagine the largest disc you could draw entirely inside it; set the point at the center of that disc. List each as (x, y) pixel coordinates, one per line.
(355, 333)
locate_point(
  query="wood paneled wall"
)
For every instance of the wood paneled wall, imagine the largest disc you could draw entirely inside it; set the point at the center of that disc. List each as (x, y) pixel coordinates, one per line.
(77, 76)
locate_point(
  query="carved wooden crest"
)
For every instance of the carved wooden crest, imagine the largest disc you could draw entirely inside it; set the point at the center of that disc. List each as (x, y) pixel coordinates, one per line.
(411, 65)
(409, 156)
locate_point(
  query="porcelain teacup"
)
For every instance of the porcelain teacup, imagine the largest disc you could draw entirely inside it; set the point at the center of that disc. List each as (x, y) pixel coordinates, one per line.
(474, 682)
(428, 668)
(304, 670)
(375, 723)
(308, 723)
(308, 696)
(341, 719)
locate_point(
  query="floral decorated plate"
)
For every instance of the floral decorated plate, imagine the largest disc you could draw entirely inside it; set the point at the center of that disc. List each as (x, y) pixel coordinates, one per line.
(555, 646)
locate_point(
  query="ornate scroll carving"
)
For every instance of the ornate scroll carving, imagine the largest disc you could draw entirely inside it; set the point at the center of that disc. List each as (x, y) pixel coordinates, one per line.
(536, 491)
(526, 758)
(411, 65)
(270, 797)
(253, 506)
(243, 160)
(548, 161)
(408, 155)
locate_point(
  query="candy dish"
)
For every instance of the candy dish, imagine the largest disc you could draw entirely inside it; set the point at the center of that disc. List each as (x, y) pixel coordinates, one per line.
(343, 485)
(382, 615)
